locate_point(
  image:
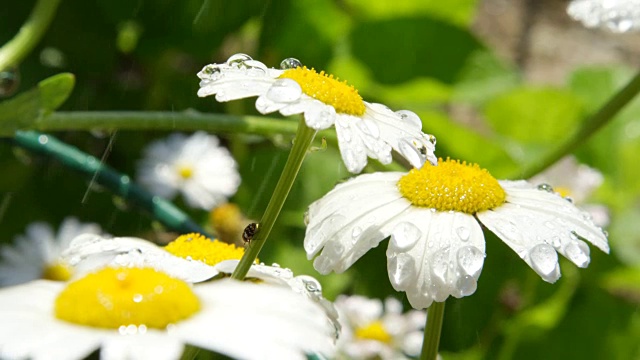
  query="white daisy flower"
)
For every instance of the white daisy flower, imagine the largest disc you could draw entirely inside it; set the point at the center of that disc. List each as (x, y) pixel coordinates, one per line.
(36, 254)
(618, 16)
(576, 182)
(363, 129)
(433, 216)
(196, 166)
(192, 258)
(140, 313)
(373, 330)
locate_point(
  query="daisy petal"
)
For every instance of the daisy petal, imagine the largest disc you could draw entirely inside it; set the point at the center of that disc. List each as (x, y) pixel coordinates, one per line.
(432, 255)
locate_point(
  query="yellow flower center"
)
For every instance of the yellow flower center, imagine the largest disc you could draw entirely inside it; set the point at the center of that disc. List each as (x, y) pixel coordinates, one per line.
(563, 191)
(373, 331)
(228, 222)
(344, 98)
(198, 247)
(185, 172)
(117, 297)
(57, 271)
(452, 186)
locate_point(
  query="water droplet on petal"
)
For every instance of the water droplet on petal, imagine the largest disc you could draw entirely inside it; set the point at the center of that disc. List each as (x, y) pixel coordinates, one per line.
(290, 63)
(545, 187)
(466, 285)
(549, 224)
(411, 118)
(432, 139)
(401, 270)
(544, 260)
(255, 68)
(440, 265)
(305, 218)
(210, 72)
(410, 152)
(578, 252)
(404, 236)
(357, 231)
(470, 260)
(463, 233)
(284, 90)
(238, 60)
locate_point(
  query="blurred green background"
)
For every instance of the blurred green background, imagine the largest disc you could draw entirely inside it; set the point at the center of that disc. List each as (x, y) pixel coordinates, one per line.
(431, 57)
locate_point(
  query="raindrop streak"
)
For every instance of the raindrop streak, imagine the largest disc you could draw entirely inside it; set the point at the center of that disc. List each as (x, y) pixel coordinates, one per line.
(9, 82)
(105, 154)
(290, 63)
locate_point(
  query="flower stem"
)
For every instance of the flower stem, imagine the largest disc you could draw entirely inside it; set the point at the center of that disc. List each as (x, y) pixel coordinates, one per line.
(432, 331)
(162, 120)
(12, 53)
(303, 139)
(594, 123)
(120, 184)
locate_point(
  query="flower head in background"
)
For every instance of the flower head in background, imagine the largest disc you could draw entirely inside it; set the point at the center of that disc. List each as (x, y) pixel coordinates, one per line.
(140, 313)
(373, 330)
(433, 216)
(37, 253)
(577, 182)
(196, 166)
(618, 16)
(364, 129)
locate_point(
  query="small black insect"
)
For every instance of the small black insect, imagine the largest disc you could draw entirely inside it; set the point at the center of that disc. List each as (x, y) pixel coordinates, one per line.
(249, 231)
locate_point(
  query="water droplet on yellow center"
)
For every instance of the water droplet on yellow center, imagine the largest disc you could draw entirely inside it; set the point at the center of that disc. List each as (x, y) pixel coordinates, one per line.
(185, 172)
(57, 271)
(114, 297)
(452, 186)
(373, 331)
(198, 247)
(321, 86)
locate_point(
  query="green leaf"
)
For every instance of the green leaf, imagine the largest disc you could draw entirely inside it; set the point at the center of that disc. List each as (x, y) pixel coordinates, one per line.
(24, 110)
(534, 115)
(459, 12)
(459, 142)
(397, 50)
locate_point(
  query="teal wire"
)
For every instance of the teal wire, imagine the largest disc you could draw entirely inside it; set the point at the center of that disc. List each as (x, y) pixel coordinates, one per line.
(163, 211)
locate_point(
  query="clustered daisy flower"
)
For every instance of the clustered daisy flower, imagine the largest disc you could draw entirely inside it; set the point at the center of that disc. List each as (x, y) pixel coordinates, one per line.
(37, 253)
(196, 166)
(364, 129)
(372, 329)
(141, 313)
(433, 217)
(615, 15)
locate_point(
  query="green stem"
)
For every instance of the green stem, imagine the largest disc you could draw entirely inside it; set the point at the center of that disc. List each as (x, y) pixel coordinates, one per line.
(594, 123)
(304, 137)
(120, 184)
(12, 53)
(163, 120)
(432, 331)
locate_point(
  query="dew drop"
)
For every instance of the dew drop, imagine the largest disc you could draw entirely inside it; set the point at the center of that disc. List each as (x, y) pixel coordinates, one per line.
(409, 151)
(211, 72)
(137, 298)
(357, 231)
(238, 60)
(290, 63)
(578, 252)
(284, 90)
(432, 140)
(411, 118)
(544, 260)
(404, 236)
(305, 218)
(255, 68)
(545, 187)
(466, 285)
(43, 139)
(440, 265)
(463, 233)
(401, 270)
(470, 260)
